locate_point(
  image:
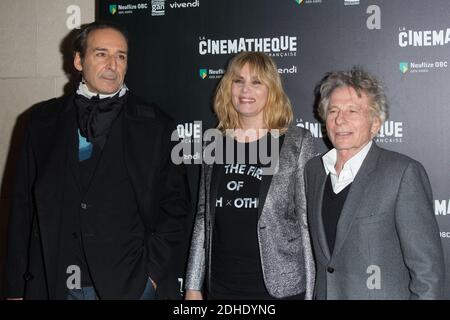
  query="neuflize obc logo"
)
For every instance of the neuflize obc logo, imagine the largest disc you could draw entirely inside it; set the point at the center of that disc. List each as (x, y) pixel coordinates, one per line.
(301, 2)
(351, 2)
(113, 8)
(403, 66)
(211, 73)
(423, 66)
(203, 73)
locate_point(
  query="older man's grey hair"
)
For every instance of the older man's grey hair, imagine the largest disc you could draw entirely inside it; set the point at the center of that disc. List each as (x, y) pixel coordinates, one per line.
(361, 81)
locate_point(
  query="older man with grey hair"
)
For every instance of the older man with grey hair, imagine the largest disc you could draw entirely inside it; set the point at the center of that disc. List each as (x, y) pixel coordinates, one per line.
(370, 210)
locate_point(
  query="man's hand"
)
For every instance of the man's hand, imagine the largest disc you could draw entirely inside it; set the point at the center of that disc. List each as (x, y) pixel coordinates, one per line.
(153, 283)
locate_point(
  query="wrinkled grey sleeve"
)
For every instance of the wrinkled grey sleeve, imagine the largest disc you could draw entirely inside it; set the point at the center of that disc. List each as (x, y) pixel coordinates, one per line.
(306, 153)
(195, 273)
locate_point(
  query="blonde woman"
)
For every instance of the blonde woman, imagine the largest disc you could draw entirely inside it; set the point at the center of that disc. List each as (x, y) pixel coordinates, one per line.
(250, 238)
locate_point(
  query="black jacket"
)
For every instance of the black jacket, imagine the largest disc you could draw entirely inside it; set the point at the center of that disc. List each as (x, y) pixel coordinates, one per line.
(161, 190)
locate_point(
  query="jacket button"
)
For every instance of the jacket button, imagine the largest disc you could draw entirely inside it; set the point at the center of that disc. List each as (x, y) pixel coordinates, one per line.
(28, 276)
(83, 206)
(330, 269)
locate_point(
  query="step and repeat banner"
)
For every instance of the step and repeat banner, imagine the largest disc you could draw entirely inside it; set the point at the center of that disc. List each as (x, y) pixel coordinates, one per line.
(179, 51)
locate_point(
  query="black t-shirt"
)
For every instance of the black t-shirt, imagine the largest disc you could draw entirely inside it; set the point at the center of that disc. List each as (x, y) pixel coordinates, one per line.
(236, 271)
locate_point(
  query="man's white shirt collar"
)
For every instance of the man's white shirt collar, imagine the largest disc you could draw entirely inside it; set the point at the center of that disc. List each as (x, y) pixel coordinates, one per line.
(348, 172)
(84, 91)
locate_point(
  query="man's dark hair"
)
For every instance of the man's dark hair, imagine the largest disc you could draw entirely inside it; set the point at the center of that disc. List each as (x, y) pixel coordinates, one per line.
(80, 42)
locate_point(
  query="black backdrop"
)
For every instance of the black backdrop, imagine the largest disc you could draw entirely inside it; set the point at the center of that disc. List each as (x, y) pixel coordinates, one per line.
(404, 42)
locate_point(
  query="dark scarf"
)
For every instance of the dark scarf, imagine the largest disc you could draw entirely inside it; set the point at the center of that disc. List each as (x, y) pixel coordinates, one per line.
(95, 116)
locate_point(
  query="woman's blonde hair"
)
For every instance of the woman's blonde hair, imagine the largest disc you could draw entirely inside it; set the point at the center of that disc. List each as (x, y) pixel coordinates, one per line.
(277, 112)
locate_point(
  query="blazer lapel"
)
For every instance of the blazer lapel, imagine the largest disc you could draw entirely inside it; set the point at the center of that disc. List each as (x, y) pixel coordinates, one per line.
(52, 139)
(319, 187)
(72, 150)
(51, 134)
(356, 196)
(267, 179)
(141, 135)
(263, 190)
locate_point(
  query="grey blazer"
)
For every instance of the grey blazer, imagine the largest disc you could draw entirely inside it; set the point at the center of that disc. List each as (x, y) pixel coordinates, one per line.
(283, 236)
(387, 240)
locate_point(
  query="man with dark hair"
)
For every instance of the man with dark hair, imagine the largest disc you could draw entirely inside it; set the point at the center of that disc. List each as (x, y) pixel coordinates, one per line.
(370, 210)
(81, 39)
(98, 204)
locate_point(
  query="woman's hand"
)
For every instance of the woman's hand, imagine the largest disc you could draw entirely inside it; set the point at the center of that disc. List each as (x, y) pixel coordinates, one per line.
(193, 295)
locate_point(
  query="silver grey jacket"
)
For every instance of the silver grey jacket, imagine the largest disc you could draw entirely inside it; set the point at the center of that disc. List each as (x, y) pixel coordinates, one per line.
(285, 248)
